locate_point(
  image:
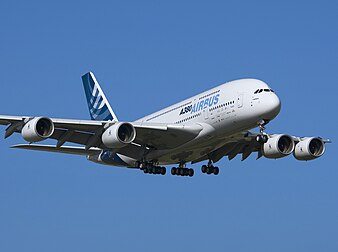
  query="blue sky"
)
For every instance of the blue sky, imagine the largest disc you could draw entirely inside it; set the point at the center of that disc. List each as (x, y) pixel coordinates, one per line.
(148, 55)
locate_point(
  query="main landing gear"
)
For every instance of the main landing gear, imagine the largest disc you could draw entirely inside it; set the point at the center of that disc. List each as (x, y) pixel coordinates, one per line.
(262, 137)
(182, 171)
(210, 169)
(149, 168)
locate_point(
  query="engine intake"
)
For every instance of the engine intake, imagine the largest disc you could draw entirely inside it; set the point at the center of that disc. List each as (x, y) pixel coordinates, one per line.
(309, 148)
(37, 129)
(118, 135)
(278, 146)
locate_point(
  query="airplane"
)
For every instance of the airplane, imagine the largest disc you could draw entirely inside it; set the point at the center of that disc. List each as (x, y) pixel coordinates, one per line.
(203, 128)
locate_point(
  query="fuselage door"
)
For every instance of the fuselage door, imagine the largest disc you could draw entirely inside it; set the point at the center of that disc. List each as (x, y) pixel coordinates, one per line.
(240, 100)
(206, 113)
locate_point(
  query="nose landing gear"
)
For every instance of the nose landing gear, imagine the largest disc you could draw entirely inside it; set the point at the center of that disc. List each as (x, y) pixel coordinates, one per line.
(262, 137)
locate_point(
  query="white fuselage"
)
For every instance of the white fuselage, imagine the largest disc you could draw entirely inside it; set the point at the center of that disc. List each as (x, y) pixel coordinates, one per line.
(223, 111)
(205, 127)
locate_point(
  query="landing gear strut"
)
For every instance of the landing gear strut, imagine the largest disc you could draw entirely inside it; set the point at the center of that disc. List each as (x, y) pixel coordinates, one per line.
(262, 137)
(181, 170)
(210, 169)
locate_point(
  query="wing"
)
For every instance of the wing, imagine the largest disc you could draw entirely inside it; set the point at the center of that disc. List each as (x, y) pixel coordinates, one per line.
(245, 143)
(75, 150)
(84, 132)
(88, 132)
(165, 136)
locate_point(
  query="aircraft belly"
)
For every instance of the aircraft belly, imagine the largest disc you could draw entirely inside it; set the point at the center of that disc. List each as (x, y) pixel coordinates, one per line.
(189, 153)
(202, 145)
(186, 155)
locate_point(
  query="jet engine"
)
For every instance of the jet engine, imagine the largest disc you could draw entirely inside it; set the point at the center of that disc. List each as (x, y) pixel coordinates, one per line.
(278, 146)
(37, 129)
(119, 135)
(309, 148)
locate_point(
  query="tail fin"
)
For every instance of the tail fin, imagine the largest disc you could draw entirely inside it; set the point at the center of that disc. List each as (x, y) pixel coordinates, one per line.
(98, 105)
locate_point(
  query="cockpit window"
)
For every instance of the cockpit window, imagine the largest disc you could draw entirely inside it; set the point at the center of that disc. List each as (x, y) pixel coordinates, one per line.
(265, 90)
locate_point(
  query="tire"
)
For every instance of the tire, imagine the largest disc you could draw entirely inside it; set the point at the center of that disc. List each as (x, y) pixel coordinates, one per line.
(191, 172)
(259, 139)
(173, 171)
(158, 170)
(145, 170)
(209, 170)
(204, 168)
(216, 170)
(163, 170)
(181, 171)
(265, 138)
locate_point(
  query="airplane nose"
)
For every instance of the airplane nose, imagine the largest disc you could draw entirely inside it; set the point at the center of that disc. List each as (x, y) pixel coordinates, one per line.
(273, 106)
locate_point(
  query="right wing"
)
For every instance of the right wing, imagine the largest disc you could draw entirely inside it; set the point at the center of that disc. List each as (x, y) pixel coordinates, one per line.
(63, 149)
(89, 132)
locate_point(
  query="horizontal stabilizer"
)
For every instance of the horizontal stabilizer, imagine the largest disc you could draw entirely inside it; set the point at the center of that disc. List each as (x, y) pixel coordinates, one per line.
(64, 149)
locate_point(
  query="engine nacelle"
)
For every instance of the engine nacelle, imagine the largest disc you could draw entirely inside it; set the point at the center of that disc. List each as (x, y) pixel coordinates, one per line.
(309, 148)
(278, 146)
(37, 129)
(119, 135)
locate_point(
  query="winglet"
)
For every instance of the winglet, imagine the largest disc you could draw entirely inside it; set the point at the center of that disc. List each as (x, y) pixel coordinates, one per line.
(98, 105)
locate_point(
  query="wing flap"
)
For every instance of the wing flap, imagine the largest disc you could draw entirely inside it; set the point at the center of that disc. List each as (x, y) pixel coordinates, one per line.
(5, 120)
(64, 149)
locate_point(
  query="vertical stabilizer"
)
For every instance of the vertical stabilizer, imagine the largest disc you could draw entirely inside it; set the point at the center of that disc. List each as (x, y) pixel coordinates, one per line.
(98, 105)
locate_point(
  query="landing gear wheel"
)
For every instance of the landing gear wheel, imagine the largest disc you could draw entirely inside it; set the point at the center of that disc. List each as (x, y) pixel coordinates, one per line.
(173, 171)
(259, 139)
(145, 170)
(265, 138)
(191, 172)
(216, 170)
(163, 170)
(209, 170)
(204, 168)
(262, 139)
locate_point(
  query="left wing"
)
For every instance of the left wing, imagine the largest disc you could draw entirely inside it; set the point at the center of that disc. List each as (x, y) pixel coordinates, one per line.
(277, 146)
